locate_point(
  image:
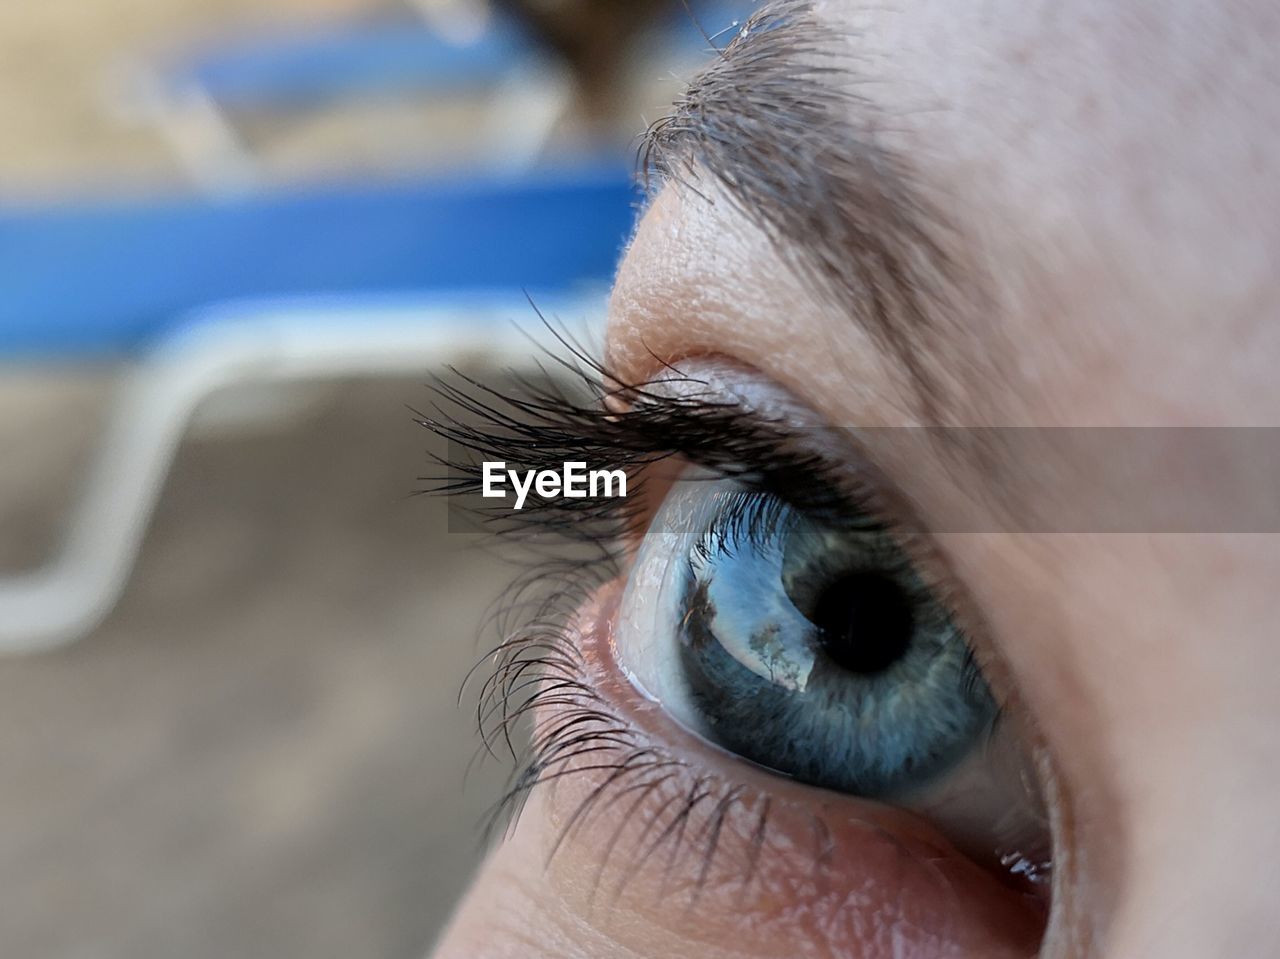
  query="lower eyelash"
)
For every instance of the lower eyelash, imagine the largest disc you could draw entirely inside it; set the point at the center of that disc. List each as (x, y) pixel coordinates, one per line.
(541, 678)
(544, 689)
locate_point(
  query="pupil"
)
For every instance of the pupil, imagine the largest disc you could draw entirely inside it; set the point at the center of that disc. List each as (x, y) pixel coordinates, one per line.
(864, 622)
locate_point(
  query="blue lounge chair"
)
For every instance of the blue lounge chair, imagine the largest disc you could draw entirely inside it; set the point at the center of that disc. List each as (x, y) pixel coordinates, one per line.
(196, 97)
(205, 294)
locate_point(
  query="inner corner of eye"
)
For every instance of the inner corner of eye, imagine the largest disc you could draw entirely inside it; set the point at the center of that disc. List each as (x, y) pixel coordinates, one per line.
(819, 652)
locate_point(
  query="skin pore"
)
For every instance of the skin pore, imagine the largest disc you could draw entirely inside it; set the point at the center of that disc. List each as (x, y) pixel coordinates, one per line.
(1102, 216)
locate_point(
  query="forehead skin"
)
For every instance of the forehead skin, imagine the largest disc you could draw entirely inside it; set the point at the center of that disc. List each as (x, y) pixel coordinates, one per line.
(1108, 170)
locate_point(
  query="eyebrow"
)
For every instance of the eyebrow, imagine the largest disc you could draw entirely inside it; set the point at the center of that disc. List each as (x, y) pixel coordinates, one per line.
(778, 122)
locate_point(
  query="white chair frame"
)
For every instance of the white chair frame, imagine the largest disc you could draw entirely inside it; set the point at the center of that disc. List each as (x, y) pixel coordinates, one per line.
(235, 344)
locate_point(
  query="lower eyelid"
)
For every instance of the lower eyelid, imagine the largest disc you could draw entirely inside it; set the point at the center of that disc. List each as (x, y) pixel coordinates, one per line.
(680, 834)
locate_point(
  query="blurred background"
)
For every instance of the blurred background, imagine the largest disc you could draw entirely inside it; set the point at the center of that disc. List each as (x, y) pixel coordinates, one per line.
(236, 239)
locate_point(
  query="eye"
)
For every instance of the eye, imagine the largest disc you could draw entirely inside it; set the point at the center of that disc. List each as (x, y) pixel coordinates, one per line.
(744, 689)
(816, 649)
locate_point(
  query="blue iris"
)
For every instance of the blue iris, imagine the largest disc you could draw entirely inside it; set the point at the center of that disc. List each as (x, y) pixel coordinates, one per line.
(821, 653)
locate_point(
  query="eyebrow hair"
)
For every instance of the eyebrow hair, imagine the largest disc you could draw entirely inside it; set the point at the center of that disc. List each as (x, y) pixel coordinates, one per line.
(778, 122)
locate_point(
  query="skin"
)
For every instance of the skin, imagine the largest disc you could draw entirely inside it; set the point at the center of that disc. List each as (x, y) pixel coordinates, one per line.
(1111, 169)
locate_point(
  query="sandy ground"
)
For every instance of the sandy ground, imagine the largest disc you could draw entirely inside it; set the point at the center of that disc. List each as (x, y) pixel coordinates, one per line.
(259, 754)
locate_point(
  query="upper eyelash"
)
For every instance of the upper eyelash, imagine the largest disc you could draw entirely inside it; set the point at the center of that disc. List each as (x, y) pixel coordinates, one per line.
(590, 414)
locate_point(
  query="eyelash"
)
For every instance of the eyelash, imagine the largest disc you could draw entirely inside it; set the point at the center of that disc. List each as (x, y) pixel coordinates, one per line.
(610, 425)
(613, 425)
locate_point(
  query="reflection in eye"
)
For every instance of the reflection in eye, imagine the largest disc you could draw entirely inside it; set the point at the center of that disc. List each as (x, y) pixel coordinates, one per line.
(819, 652)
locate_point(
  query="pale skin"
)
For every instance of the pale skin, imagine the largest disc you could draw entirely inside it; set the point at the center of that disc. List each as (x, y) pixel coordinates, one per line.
(1111, 170)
